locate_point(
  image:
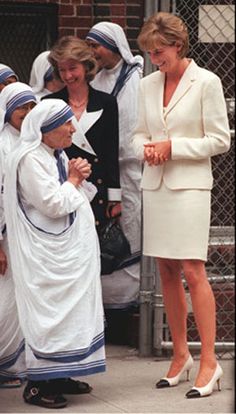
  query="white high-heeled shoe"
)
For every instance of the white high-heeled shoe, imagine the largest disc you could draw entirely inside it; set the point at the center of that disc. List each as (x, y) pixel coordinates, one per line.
(197, 392)
(171, 382)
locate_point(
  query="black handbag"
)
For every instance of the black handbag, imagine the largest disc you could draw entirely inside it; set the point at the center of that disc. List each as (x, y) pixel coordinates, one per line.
(114, 246)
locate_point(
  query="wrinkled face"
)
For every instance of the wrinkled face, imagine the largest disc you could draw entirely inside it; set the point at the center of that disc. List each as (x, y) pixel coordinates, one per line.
(7, 81)
(60, 137)
(19, 114)
(104, 57)
(72, 73)
(165, 57)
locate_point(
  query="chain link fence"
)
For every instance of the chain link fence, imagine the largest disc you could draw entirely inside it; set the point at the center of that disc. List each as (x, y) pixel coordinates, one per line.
(26, 30)
(211, 31)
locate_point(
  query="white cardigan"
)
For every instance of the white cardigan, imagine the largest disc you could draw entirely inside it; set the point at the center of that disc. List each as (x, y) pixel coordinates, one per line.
(195, 121)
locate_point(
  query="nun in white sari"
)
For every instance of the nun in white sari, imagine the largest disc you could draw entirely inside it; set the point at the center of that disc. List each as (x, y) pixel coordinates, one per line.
(15, 101)
(42, 79)
(54, 246)
(120, 76)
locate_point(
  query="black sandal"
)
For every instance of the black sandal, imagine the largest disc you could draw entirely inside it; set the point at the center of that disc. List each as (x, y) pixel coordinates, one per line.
(33, 395)
(70, 386)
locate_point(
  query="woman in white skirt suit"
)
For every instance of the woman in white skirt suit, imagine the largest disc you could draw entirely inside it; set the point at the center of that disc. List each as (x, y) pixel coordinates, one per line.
(182, 123)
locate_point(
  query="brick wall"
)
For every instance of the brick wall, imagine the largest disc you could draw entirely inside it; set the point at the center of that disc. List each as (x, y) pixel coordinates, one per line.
(77, 16)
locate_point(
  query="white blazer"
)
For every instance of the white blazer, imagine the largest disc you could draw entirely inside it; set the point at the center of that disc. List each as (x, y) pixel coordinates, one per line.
(195, 121)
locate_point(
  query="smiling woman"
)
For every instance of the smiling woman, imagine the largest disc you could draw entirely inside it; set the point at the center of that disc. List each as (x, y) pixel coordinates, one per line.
(176, 140)
(96, 122)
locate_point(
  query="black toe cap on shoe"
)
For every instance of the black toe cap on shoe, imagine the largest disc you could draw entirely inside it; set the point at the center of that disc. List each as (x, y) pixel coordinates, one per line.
(193, 394)
(162, 384)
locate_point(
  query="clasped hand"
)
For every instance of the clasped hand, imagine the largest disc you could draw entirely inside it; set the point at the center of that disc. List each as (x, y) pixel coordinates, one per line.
(79, 170)
(156, 153)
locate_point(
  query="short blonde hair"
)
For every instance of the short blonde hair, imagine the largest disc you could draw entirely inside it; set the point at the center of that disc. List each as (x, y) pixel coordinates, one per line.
(164, 29)
(71, 47)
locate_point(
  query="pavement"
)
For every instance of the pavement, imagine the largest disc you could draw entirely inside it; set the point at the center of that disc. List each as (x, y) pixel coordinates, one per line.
(128, 386)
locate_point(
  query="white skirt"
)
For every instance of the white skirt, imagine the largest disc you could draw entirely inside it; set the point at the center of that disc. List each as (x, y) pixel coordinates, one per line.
(176, 223)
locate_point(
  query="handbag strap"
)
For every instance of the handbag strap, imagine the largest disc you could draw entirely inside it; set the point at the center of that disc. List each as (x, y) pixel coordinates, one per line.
(129, 261)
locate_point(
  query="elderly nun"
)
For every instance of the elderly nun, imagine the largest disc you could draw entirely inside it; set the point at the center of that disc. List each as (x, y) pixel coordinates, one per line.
(54, 245)
(16, 100)
(119, 75)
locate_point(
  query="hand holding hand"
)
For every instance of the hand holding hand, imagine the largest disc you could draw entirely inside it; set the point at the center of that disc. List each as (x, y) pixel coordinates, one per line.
(82, 166)
(157, 153)
(79, 170)
(148, 154)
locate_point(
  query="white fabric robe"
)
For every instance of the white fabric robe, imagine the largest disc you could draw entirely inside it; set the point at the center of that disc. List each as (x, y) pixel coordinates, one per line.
(121, 288)
(12, 355)
(58, 285)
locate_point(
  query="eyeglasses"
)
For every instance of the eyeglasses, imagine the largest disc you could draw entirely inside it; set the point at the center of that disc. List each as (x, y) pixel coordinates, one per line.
(26, 107)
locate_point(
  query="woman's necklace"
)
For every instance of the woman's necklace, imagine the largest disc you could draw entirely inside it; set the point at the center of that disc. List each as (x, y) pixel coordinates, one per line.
(77, 104)
(78, 107)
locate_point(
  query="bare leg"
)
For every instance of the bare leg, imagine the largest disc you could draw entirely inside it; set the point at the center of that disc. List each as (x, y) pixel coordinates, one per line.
(203, 303)
(176, 311)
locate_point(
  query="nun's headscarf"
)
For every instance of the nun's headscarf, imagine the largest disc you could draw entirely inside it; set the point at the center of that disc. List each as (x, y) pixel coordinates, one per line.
(41, 72)
(6, 72)
(44, 117)
(112, 36)
(12, 96)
